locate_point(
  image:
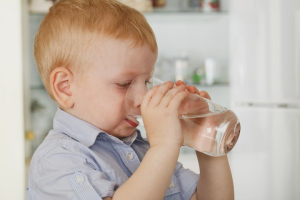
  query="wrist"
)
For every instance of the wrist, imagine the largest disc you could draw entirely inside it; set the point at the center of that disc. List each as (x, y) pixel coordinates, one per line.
(166, 147)
(211, 162)
(168, 152)
(166, 143)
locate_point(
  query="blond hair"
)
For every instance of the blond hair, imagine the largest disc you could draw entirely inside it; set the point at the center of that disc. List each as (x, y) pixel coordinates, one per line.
(71, 27)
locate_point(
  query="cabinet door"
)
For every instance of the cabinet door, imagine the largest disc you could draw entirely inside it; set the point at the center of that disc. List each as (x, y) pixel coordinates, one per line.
(265, 161)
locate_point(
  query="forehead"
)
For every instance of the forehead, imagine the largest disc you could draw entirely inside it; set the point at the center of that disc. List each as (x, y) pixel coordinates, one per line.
(122, 58)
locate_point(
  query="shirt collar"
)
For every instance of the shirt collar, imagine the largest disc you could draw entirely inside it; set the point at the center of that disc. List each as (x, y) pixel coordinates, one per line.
(76, 128)
(136, 135)
(83, 131)
(130, 139)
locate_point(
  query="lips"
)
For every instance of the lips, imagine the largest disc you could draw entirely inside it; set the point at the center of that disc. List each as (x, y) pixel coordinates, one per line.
(131, 123)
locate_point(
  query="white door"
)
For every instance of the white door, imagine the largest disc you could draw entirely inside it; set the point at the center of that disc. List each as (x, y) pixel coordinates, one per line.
(265, 50)
(12, 184)
(265, 161)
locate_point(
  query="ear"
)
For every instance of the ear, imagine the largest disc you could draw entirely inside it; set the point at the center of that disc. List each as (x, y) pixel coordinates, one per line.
(60, 80)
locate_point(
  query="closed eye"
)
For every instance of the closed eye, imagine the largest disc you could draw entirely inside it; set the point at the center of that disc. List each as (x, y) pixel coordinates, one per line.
(124, 85)
(127, 84)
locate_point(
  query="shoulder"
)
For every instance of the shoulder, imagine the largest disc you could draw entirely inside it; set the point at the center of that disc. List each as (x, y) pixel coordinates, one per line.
(53, 142)
(58, 149)
(65, 168)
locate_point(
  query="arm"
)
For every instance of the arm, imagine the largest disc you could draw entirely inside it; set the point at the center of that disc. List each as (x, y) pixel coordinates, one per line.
(215, 180)
(152, 178)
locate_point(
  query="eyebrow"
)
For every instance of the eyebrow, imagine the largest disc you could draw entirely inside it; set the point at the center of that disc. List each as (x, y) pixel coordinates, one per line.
(130, 73)
(127, 73)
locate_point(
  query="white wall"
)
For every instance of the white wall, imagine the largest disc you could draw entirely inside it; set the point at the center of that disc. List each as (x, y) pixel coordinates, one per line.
(11, 101)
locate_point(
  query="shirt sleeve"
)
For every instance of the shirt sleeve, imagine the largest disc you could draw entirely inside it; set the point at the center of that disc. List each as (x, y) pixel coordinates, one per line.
(187, 181)
(66, 173)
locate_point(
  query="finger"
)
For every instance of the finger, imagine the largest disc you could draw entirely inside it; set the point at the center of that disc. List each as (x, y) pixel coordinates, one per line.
(147, 97)
(192, 89)
(177, 99)
(204, 94)
(180, 82)
(167, 98)
(160, 93)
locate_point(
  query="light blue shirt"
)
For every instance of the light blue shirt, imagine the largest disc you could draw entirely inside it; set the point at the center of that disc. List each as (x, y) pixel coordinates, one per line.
(78, 161)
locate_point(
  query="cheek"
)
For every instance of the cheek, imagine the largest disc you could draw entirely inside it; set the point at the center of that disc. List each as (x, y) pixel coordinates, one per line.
(110, 108)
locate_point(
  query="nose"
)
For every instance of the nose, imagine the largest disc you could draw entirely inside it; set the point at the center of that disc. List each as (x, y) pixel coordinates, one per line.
(134, 98)
(135, 93)
(138, 93)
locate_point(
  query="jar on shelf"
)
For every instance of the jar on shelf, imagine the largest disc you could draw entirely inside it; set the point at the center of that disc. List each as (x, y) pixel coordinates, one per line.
(158, 3)
(140, 5)
(210, 5)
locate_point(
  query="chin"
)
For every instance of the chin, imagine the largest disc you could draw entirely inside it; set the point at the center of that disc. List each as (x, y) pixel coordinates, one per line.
(126, 132)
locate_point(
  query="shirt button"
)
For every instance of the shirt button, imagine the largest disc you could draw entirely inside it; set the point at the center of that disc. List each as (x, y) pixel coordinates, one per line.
(172, 185)
(129, 155)
(79, 179)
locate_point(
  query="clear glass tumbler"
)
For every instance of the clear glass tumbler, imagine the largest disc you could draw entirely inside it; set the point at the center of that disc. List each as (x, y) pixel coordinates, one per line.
(209, 128)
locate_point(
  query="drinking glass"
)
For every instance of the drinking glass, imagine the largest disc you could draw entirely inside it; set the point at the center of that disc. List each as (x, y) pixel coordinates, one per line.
(208, 127)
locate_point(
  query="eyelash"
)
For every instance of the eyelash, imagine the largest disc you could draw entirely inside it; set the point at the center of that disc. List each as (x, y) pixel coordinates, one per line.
(127, 84)
(124, 85)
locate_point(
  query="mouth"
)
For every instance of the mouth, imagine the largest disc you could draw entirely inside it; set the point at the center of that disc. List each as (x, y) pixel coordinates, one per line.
(132, 123)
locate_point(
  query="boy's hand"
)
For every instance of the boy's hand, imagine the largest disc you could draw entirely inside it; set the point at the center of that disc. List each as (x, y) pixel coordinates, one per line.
(194, 90)
(193, 124)
(159, 110)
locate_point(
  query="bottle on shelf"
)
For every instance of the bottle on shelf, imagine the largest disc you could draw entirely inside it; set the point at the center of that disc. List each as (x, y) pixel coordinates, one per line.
(210, 69)
(198, 77)
(181, 67)
(195, 4)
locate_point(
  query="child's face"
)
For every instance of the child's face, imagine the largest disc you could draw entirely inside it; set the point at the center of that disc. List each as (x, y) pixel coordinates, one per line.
(99, 94)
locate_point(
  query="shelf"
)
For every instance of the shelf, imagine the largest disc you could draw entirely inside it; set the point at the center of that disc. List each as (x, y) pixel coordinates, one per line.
(185, 11)
(164, 12)
(157, 11)
(213, 85)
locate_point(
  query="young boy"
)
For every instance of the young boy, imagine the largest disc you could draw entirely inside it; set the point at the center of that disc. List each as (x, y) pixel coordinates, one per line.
(88, 52)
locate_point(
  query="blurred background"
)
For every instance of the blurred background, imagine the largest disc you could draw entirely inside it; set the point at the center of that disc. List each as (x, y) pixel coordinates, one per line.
(244, 53)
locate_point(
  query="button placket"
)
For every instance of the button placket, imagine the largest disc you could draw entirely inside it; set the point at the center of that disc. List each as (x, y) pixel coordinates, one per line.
(132, 161)
(128, 156)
